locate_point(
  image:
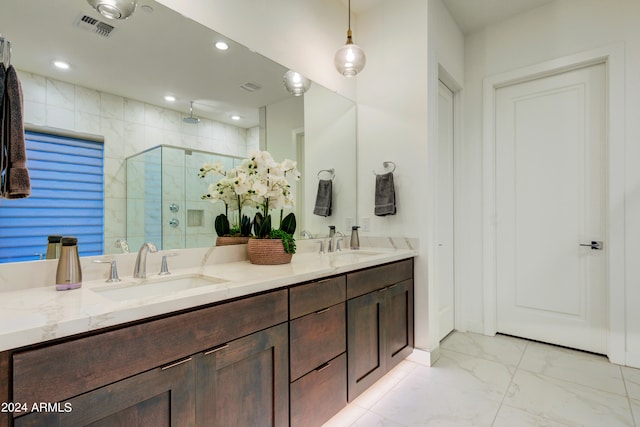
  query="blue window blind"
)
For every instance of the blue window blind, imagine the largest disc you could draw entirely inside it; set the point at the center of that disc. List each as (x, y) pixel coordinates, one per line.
(67, 198)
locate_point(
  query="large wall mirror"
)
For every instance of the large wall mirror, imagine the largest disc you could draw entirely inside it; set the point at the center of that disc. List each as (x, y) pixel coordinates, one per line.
(227, 103)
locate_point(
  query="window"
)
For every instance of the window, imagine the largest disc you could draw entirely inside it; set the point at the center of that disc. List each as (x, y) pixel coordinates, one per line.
(67, 198)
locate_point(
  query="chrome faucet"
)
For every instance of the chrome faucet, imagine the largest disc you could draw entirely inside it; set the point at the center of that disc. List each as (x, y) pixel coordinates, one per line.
(334, 242)
(140, 269)
(332, 236)
(123, 245)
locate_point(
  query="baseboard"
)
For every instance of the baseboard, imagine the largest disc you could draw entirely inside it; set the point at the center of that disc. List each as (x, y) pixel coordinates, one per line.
(424, 357)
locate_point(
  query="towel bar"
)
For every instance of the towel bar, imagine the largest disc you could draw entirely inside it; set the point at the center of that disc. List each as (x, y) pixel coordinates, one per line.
(385, 165)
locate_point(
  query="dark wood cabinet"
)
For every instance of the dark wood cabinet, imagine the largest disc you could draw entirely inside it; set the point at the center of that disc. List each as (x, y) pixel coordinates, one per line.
(318, 341)
(245, 382)
(227, 370)
(379, 325)
(160, 397)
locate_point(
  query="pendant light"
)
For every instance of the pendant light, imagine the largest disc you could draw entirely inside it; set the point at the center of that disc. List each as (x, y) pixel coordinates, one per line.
(350, 59)
(295, 83)
(114, 9)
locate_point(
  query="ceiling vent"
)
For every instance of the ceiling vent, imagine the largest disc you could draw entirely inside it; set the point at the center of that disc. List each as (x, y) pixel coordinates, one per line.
(250, 87)
(94, 25)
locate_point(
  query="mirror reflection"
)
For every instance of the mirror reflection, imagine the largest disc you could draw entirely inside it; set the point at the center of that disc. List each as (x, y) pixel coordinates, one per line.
(226, 103)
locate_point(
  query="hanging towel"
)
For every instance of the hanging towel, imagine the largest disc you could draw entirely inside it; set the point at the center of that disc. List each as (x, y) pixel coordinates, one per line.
(323, 198)
(16, 183)
(385, 197)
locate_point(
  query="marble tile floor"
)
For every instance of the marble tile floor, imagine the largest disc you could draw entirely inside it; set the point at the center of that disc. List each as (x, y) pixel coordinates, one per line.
(500, 381)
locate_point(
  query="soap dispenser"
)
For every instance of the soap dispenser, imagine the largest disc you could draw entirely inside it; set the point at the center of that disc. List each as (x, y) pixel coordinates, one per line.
(69, 272)
(53, 247)
(355, 239)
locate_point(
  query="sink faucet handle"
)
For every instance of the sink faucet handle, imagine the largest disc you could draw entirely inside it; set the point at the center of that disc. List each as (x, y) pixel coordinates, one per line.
(338, 248)
(321, 246)
(113, 273)
(164, 270)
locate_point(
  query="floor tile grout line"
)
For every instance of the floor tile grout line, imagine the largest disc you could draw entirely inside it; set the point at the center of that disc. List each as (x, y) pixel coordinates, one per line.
(624, 381)
(504, 396)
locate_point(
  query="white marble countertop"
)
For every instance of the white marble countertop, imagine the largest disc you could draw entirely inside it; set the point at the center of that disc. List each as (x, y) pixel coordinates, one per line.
(39, 314)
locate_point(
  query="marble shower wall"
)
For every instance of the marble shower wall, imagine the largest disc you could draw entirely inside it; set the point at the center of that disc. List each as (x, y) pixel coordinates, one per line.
(128, 127)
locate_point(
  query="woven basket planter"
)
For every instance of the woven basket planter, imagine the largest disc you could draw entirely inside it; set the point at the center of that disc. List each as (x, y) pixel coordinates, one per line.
(226, 241)
(267, 252)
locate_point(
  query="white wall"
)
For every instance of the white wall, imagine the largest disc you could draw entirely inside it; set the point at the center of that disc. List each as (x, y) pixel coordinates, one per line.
(392, 126)
(558, 29)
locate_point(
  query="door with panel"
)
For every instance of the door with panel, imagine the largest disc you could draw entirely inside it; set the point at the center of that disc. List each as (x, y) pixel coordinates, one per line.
(444, 256)
(550, 205)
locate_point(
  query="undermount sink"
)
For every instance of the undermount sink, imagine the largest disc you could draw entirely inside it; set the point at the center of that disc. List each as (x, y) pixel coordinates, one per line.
(348, 257)
(154, 287)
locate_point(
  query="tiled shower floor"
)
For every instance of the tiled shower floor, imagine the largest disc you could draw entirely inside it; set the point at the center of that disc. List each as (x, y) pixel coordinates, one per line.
(500, 381)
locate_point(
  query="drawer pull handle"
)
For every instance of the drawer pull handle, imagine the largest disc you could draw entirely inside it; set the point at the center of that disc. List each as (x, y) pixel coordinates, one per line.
(179, 362)
(323, 367)
(213, 350)
(393, 286)
(383, 289)
(324, 310)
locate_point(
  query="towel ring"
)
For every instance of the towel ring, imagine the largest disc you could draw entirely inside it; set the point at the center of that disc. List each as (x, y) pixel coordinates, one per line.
(385, 165)
(331, 171)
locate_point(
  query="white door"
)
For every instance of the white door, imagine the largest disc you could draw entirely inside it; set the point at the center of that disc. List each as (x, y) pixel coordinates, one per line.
(443, 265)
(550, 196)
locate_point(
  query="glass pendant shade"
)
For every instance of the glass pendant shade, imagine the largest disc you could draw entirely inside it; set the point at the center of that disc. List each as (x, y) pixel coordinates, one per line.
(350, 59)
(296, 83)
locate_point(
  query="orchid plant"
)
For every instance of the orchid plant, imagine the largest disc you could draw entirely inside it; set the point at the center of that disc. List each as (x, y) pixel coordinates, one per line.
(261, 182)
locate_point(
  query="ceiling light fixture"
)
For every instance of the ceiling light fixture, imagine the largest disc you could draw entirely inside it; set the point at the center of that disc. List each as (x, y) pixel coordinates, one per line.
(221, 45)
(235, 117)
(114, 9)
(169, 98)
(295, 83)
(350, 58)
(61, 65)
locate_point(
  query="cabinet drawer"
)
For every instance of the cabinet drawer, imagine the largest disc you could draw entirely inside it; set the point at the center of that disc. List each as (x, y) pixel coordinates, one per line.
(311, 297)
(84, 364)
(320, 394)
(365, 281)
(317, 338)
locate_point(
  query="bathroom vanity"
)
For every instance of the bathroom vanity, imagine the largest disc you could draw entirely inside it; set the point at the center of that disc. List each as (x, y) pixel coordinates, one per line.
(292, 351)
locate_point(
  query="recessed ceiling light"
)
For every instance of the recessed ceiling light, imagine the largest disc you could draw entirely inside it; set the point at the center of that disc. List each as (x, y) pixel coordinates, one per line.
(235, 117)
(222, 45)
(61, 64)
(169, 98)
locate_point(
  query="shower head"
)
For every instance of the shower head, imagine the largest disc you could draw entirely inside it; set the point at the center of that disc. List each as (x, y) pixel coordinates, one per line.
(191, 120)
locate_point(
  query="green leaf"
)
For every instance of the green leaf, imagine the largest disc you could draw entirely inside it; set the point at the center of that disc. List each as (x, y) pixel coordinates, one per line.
(289, 224)
(221, 225)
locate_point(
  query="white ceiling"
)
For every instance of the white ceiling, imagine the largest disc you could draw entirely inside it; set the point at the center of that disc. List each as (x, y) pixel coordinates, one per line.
(473, 15)
(470, 15)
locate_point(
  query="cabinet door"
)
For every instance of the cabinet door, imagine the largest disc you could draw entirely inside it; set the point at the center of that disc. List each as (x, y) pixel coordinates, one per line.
(160, 397)
(364, 342)
(398, 323)
(245, 382)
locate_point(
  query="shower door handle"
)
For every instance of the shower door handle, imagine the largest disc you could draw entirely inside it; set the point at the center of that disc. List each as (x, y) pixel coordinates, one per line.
(595, 245)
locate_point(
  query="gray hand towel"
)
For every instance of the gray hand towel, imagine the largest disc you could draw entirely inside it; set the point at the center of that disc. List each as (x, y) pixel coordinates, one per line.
(323, 198)
(16, 184)
(385, 197)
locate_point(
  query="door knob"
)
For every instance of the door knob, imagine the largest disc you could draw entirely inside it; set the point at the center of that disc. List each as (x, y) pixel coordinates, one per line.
(595, 245)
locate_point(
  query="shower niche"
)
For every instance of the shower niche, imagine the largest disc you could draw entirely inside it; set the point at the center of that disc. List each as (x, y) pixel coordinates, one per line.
(164, 204)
